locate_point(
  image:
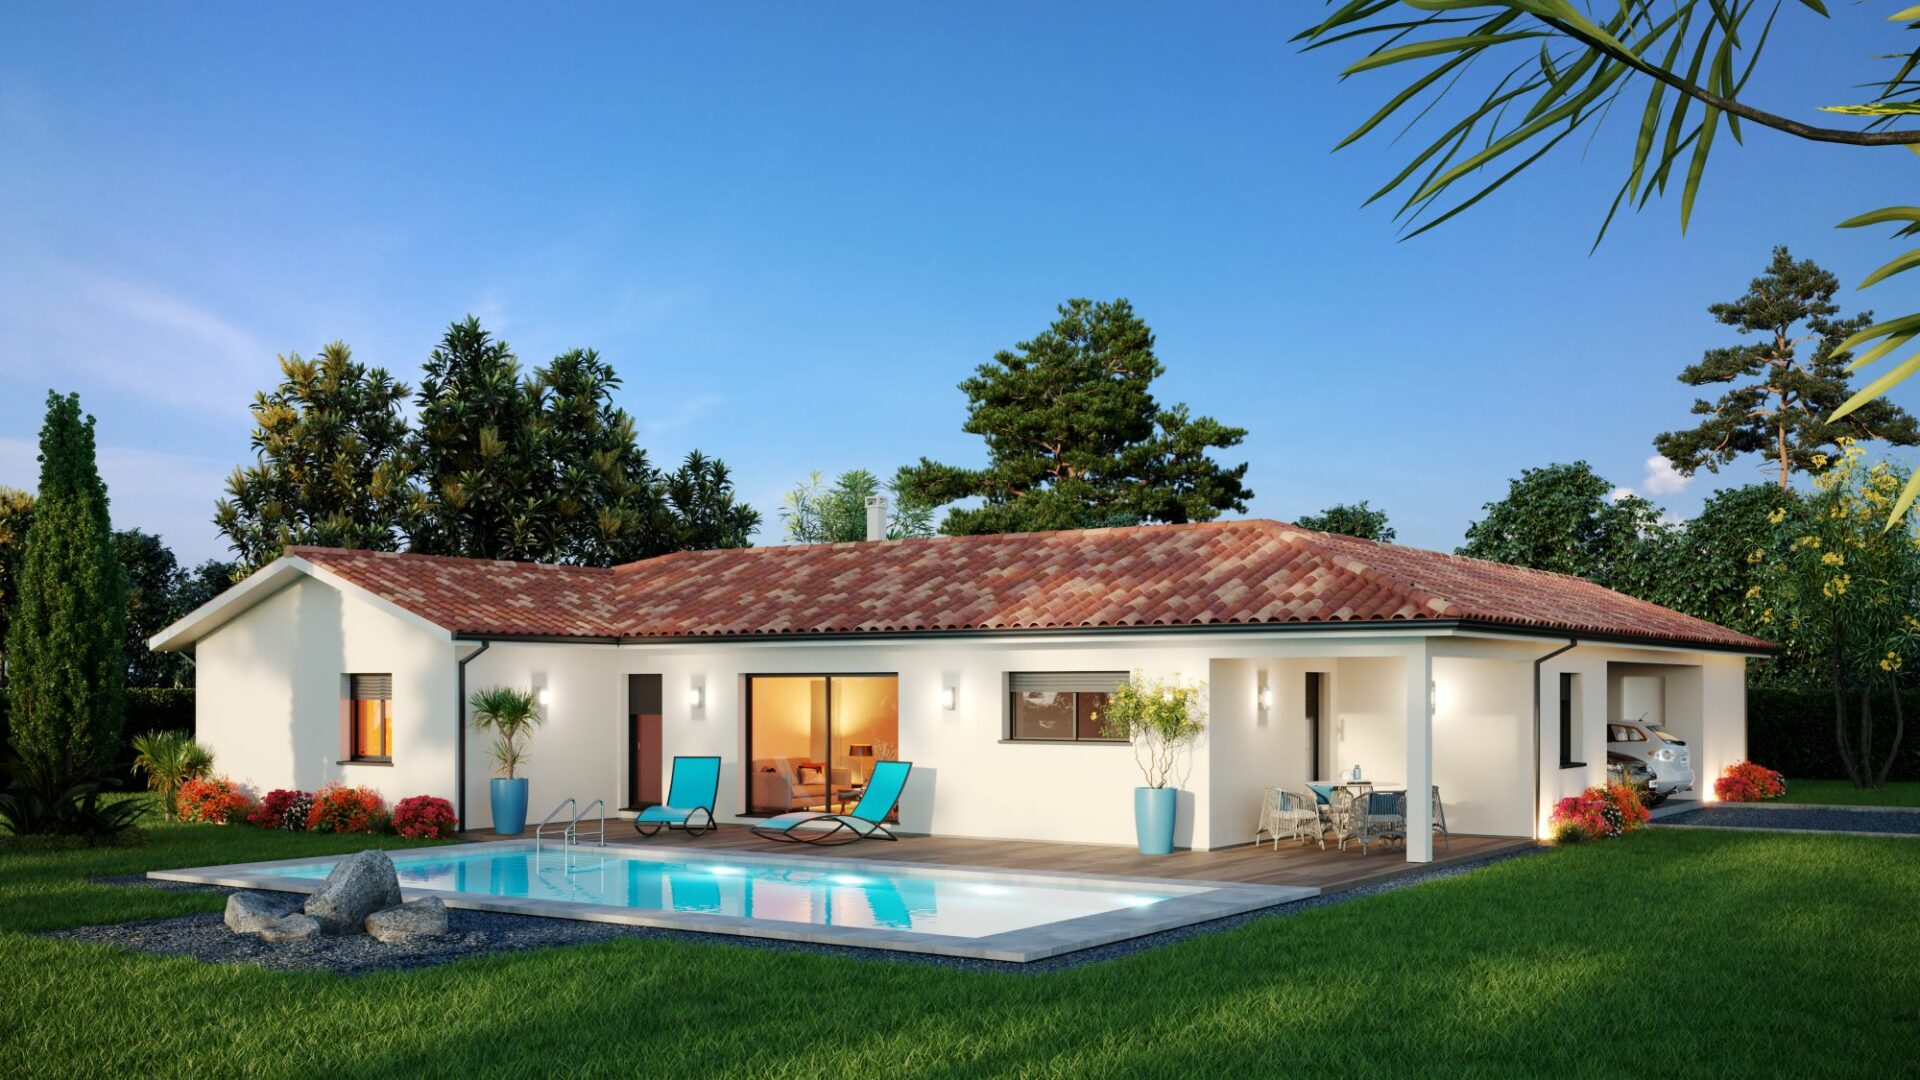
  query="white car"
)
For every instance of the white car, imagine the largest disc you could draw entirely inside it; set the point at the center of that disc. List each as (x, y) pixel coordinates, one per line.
(1665, 754)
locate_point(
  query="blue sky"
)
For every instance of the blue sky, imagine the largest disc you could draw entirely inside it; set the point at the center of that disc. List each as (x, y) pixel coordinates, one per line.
(794, 228)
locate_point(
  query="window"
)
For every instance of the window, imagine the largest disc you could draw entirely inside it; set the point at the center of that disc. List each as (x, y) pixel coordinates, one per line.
(1064, 706)
(1666, 738)
(1570, 722)
(371, 719)
(1624, 733)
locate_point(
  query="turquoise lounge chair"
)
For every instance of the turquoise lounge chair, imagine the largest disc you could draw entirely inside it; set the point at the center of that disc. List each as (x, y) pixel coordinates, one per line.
(696, 784)
(868, 820)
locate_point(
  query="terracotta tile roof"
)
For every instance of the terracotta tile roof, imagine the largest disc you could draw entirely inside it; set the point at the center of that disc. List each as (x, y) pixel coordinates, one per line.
(1215, 574)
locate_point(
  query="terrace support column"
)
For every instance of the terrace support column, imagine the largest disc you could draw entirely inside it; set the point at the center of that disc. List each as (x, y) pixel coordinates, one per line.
(1419, 670)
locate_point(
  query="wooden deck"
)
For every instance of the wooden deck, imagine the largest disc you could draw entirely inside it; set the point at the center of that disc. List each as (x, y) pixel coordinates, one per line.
(1294, 863)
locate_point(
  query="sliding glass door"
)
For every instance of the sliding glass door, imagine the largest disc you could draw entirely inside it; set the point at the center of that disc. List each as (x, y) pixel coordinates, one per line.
(812, 739)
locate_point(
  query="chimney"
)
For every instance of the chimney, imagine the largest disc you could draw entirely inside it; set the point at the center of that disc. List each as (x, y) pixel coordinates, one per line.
(876, 517)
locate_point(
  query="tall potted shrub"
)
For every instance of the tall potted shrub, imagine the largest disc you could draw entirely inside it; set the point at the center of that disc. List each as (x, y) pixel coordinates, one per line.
(511, 715)
(1161, 718)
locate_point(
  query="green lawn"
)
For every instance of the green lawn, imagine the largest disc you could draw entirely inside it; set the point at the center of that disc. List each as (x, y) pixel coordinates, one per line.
(1670, 952)
(1843, 793)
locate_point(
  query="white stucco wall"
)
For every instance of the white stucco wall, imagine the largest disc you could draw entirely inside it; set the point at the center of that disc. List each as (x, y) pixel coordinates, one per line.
(967, 780)
(269, 689)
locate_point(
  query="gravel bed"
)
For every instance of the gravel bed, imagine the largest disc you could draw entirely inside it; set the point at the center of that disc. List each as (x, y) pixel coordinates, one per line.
(483, 933)
(1849, 820)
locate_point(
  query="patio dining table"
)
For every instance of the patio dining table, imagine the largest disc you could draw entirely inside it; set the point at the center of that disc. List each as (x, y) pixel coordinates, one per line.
(1323, 789)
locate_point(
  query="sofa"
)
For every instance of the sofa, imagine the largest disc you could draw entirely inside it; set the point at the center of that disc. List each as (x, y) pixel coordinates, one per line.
(777, 783)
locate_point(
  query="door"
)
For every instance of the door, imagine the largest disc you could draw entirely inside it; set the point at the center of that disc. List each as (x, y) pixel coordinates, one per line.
(1316, 727)
(812, 740)
(644, 693)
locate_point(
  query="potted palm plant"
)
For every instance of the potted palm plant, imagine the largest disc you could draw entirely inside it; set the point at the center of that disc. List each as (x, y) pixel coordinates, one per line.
(1161, 718)
(169, 759)
(511, 715)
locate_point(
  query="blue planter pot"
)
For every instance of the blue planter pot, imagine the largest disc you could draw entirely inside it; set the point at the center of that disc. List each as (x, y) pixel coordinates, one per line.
(1153, 814)
(509, 806)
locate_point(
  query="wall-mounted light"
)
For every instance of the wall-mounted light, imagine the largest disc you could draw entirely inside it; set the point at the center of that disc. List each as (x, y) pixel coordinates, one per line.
(544, 697)
(1266, 698)
(949, 697)
(694, 696)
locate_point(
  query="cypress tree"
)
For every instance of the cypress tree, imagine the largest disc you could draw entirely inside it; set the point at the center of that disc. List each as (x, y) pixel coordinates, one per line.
(64, 646)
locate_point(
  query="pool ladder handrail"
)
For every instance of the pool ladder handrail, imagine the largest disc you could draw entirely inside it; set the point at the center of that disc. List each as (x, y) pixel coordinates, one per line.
(573, 830)
(566, 831)
(570, 830)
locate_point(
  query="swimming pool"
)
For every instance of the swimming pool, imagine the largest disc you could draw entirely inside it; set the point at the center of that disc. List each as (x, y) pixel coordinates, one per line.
(962, 911)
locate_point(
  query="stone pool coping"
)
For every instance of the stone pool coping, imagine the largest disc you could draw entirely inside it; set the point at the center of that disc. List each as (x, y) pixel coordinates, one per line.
(1192, 902)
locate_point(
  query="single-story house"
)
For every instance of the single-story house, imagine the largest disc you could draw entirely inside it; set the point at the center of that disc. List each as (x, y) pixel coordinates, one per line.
(984, 660)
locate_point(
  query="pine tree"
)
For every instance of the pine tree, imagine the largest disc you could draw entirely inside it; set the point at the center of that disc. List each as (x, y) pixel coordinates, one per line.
(1780, 404)
(1075, 438)
(64, 647)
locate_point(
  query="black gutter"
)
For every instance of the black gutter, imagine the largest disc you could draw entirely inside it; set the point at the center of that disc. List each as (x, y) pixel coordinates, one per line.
(1571, 642)
(460, 733)
(1390, 626)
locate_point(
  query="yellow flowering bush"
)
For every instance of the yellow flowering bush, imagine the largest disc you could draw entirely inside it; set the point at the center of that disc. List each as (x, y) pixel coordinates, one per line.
(1844, 588)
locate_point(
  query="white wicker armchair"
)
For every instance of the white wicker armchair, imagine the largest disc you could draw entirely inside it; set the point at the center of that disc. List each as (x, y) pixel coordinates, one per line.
(1289, 814)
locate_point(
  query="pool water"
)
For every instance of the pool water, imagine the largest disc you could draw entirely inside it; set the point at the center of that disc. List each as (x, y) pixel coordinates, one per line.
(941, 902)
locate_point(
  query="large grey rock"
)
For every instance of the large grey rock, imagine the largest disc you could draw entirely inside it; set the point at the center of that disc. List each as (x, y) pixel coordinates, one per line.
(358, 886)
(295, 927)
(252, 912)
(410, 921)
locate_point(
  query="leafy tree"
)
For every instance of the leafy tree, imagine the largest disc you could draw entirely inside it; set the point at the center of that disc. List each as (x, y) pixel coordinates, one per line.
(65, 643)
(204, 582)
(1554, 70)
(478, 448)
(16, 514)
(1350, 519)
(332, 465)
(1075, 438)
(1845, 588)
(604, 503)
(1706, 566)
(1560, 518)
(1781, 404)
(815, 514)
(546, 467)
(153, 602)
(701, 511)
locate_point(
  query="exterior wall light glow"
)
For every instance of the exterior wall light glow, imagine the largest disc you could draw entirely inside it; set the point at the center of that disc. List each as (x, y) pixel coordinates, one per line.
(949, 697)
(694, 697)
(545, 697)
(1266, 697)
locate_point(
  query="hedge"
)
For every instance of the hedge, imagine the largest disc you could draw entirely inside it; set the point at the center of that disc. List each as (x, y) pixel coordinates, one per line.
(1791, 729)
(167, 708)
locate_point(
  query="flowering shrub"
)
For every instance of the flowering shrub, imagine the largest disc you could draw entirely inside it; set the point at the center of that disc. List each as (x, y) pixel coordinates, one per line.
(341, 809)
(298, 812)
(426, 817)
(1743, 781)
(271, 811)
(1598, 813)
(211, 800)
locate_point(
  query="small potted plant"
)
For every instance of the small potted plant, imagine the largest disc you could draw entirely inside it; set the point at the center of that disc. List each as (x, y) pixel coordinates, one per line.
(511, 715)
(1162, 719)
